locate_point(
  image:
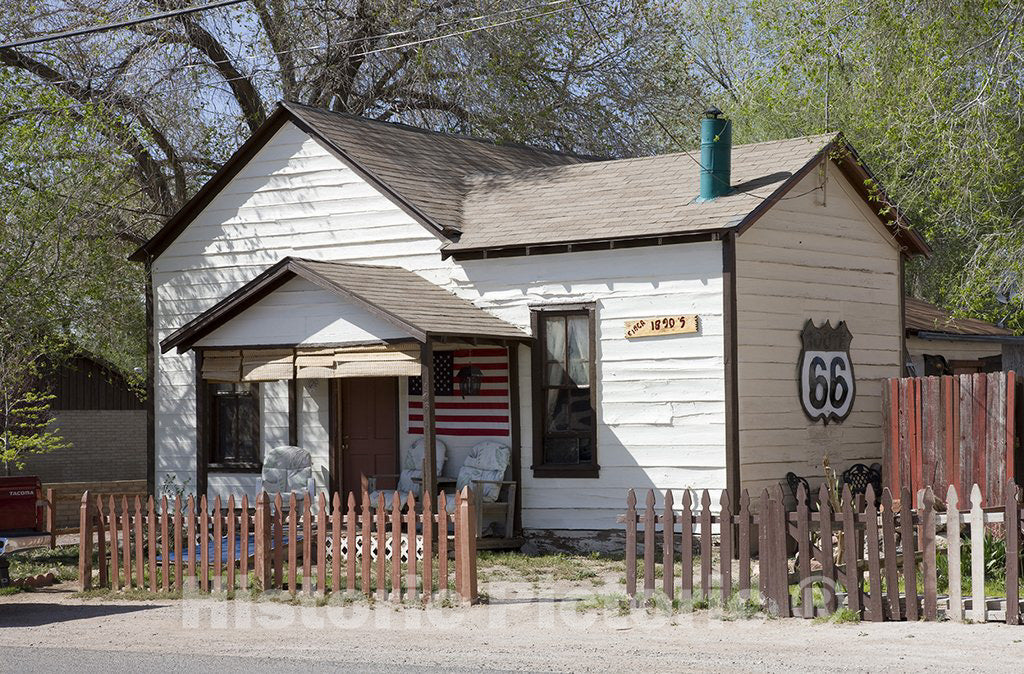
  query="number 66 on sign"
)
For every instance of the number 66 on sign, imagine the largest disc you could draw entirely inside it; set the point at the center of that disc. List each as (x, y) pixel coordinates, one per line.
(825, 372)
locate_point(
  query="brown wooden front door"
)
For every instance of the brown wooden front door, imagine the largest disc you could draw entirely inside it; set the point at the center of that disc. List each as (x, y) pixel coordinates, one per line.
(369, 430)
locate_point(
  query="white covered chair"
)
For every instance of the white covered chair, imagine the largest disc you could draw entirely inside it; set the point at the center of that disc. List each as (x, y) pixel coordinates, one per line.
(411, 477)
(484, 472)
(288, 470)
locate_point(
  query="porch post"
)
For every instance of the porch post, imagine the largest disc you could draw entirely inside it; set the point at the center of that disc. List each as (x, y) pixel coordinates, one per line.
(429, 430)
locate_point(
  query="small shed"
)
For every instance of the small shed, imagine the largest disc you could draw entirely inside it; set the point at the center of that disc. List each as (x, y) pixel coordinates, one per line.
(938, 343)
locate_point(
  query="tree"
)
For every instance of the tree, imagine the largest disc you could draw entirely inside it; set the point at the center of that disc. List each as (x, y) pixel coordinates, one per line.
(26, 428)
(930, 95)
(26, 425)
(142, 116)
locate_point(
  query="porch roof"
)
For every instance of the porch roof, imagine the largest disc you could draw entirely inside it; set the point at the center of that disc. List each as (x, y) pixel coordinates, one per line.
(399, 296)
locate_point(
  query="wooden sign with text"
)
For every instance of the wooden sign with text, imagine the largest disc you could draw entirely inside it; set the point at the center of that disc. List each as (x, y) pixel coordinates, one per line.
(678, 324)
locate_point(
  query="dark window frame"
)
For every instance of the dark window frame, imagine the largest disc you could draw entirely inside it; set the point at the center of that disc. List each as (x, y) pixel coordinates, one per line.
(254, 464)
(540, 467)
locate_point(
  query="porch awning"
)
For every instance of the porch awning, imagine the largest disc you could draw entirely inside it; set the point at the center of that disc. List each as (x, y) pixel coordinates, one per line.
(332, 363)
(407, 301)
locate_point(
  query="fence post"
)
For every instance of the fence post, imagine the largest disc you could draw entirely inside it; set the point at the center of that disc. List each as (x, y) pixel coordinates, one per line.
(1012, 527)
(465, 550)
(781, 558)
(926, 501)
(85, 543)
(261, 536)
(668, 547)
(631, 545)
(979, 611)
(101, 543)
(955, 605)
(649, 545)
(51, 517)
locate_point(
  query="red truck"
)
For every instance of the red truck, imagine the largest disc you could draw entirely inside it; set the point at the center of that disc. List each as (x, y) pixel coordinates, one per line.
(22, 524)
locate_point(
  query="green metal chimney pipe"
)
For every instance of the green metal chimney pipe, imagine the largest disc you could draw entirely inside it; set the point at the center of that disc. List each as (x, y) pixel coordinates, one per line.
(715, 151)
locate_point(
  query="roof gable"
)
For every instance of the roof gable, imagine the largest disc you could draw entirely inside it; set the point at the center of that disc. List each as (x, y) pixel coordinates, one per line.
(398, 296)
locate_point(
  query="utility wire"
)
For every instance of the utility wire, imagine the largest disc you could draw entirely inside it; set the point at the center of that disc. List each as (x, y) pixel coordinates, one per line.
(371, 38)
(118, 24)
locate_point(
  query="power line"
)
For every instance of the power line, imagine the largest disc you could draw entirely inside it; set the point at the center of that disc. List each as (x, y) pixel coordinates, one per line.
(371, 38)
(118, 24)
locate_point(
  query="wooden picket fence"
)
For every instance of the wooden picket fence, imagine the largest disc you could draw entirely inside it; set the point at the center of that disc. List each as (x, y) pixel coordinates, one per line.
(188, 546)
(865, 542)
(951, 430)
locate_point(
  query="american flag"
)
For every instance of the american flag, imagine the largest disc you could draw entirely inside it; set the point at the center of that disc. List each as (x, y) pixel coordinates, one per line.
(484, 414)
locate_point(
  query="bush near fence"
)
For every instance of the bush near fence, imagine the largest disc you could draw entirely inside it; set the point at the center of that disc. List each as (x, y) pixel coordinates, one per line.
(863, 541)
(169, 545)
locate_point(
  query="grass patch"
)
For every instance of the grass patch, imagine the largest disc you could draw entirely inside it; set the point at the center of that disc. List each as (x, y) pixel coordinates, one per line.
(602, 602)
(34, 562)
(516, 566)
(105, 593)
(8, 591)
(843, 616)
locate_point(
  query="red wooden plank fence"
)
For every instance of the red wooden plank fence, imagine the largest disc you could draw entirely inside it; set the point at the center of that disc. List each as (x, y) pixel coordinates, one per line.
(159, 543)
(864, 565)
(950, 430)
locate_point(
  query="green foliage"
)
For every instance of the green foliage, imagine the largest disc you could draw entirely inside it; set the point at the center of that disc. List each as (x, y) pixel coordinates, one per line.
(25, 428)
(928, 93)
(843, 616)
(994, 562)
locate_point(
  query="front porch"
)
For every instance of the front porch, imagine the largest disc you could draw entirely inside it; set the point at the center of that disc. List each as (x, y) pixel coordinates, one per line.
(359, 366)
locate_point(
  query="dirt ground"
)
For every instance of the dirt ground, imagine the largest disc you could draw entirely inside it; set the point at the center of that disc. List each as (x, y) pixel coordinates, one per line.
(546, 614)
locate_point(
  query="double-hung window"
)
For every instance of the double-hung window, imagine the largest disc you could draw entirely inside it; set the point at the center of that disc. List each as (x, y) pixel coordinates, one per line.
(564, 379)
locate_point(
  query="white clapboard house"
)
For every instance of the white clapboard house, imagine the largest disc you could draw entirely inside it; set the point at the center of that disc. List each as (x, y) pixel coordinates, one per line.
(615, 323)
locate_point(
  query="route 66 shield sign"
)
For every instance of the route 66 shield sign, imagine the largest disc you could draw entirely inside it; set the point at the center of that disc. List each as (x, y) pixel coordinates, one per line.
(825, 373)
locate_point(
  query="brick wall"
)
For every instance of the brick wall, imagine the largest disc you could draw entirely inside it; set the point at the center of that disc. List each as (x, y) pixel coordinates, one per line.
(105, 445)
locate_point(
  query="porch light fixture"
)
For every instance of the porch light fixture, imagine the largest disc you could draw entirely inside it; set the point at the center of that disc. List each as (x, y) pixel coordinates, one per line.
(470, 378)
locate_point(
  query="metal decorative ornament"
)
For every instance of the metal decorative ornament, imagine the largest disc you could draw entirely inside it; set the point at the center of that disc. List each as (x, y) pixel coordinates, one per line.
(825, 372)
(470, 378)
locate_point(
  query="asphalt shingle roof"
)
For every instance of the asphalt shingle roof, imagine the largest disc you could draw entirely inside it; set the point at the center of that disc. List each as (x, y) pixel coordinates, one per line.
(423, 167)
(921, 316)
(623, 198)
(410, 298)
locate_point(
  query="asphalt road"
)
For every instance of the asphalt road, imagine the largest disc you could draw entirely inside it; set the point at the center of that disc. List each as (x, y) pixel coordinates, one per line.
(29, 660)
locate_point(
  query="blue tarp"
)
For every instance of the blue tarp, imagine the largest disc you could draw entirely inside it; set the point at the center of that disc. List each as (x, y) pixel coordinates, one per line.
(210, 550)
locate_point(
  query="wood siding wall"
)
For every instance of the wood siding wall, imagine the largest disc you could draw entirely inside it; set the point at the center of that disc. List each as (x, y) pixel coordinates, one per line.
(809, 260)
(661, 401)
